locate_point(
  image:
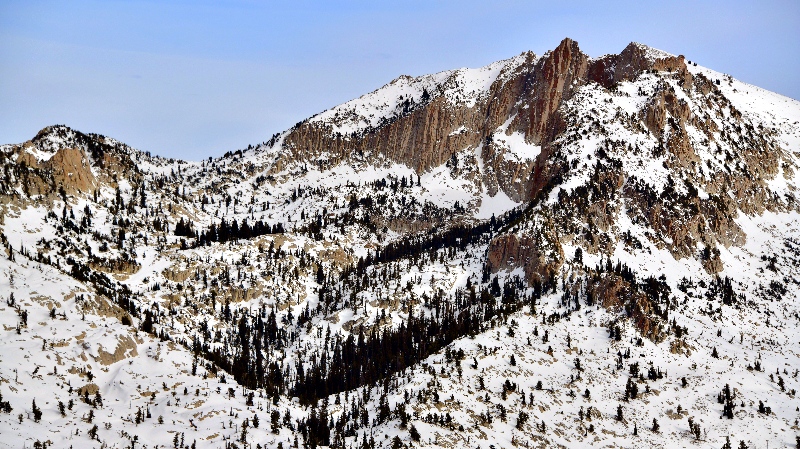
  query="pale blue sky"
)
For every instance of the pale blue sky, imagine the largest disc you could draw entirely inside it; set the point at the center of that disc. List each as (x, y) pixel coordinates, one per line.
(192, 79)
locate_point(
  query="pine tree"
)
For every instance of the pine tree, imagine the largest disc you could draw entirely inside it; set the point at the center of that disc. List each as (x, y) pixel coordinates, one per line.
(320, 275)
(727, 397)
(414, 433)
(727, 444)
(522, 419)
(275, 418)
(37, 413)
(694, 429)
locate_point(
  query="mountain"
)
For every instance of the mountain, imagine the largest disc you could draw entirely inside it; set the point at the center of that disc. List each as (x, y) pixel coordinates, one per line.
(552, 250)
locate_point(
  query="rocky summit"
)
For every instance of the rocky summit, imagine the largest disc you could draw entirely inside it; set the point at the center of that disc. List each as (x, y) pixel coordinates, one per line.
(548, 251)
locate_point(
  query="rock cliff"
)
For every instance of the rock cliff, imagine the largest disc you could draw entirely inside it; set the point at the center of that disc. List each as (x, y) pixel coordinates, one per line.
(524, 97)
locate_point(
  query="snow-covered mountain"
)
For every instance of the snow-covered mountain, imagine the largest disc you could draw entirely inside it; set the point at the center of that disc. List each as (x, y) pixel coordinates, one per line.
(551, 250)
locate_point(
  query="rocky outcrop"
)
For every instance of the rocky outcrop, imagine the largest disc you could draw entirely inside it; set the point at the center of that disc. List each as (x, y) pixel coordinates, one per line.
(126, 347)
(120, 266)
(421, 139)
(553, 80)
(615, 293)
(71, 170)
(524, 98)
(538, 252)
(60, 160)
(635, 59)
(89, 389)
(689, 118)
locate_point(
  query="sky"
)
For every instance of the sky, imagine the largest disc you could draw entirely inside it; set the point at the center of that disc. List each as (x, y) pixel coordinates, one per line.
(193, 79)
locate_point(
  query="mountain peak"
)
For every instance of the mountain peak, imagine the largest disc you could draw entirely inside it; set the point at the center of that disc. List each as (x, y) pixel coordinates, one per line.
(412, 120)
(649, 52)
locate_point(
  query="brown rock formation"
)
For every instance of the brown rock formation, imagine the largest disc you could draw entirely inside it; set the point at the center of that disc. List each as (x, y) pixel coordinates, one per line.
(613, 292)
(554, 79)
(71, 169)
(539, 253)
(61, 158)
(126, 347)
(528, 92)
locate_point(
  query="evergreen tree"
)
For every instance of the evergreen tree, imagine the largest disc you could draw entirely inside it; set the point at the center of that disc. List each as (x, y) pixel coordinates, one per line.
(275, 423)
(37, 413)
(414, 433)
(727, 444)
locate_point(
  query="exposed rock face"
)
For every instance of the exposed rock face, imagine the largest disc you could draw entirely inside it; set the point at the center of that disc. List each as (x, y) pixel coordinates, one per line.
(539, 253)
(554, 79)
(613, 292)
(634, 60)
(526, 98)
(512, 250)
(717, 162)
(60, 159)
(71, 169)
(526, 95)
(421, 139)
(90, 389)
(115, 266)
(126, 347)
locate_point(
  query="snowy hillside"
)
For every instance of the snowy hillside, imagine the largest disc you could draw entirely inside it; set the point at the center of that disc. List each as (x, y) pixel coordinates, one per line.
(462, 86)
(549, 251)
